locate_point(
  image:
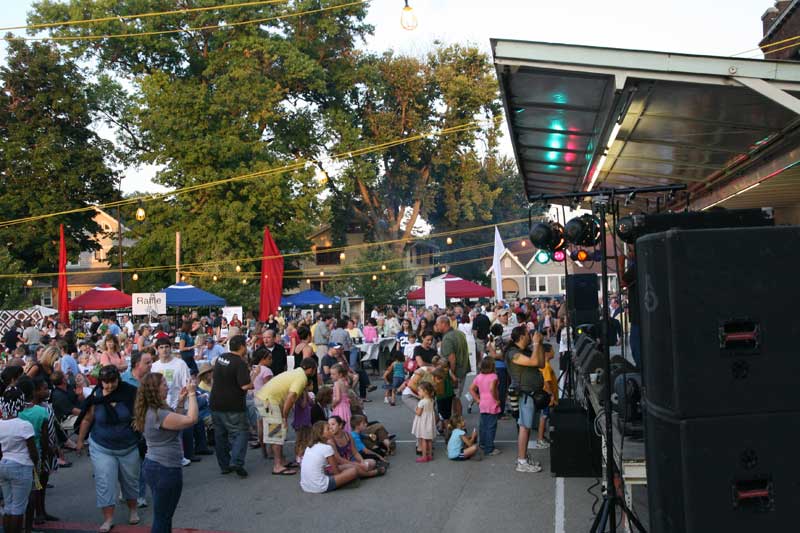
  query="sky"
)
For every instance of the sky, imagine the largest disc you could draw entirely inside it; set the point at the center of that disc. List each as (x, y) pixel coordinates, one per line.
(686, 26)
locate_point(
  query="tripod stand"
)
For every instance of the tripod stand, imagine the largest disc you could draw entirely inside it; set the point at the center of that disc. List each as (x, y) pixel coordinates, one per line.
(607, 516)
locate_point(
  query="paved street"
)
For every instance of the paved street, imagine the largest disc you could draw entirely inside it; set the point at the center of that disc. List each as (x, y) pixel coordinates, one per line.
(439, 496)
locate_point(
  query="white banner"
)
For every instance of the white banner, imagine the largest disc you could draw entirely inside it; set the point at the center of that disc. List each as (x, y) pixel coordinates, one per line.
(149, 303)
(435, 293)
(229, 312)
(499, 248)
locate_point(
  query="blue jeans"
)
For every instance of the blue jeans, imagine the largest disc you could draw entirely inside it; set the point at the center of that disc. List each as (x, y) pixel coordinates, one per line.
(354, 353)
(112, 467)
(230, 438)
(16, 481)
(487, 431)
(636, 345)
(502, 387)
(166, 485)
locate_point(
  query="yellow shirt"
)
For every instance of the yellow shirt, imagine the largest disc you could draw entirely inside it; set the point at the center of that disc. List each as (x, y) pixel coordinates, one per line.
(278, 388)
(550, 380)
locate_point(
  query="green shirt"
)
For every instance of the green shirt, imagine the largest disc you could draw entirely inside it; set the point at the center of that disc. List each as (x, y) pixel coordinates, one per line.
(455, 341)
(36, 415)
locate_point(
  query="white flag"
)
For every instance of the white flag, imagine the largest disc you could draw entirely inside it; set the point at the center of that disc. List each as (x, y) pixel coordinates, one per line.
(499, 248)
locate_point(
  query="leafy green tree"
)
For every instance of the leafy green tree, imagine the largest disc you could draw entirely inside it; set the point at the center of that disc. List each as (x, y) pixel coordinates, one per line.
(50, 159)
(442, 179)
(214, 104)
(389, 287)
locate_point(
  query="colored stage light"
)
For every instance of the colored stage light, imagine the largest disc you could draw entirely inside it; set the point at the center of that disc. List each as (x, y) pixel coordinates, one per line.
(583, 255)
(559, 256)
(547, 236)
(542, 257)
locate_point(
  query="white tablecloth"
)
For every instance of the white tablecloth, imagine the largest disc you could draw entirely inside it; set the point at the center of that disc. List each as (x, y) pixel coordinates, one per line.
(373, 349)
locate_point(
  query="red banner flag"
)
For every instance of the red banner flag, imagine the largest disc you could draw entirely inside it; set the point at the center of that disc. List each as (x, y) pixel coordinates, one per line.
(63, 295)
(271, 278)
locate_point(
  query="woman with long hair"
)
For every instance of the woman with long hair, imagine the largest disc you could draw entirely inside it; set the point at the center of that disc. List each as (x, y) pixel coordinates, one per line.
(44, 365)
(112, 353)
(162, 427)
(422, 327)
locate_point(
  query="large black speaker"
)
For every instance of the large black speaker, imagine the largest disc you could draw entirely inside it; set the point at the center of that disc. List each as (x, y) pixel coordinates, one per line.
(575, 449)
(719, 335)
(732, 473)
(582, 301)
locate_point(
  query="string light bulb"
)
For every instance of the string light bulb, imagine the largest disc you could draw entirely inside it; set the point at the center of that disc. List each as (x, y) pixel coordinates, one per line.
(374, 277)
(444, 269)
(238, 268)
(408, 19)
(523, 243)
(140, 214)
(135, 277)
(342, 256)
(383, 267)
(308, 282)
(29, 283)
(449, 240)
(183, 278)
(214, 277)
(244, 281)
(321, 273)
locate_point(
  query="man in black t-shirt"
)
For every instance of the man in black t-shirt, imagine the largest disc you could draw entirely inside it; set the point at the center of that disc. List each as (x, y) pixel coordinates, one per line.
(328, 360)
(277, 350)
(480, 330)
(228, 407)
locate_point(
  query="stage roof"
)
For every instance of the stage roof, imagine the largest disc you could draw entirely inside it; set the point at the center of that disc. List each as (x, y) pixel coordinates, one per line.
(583, 118)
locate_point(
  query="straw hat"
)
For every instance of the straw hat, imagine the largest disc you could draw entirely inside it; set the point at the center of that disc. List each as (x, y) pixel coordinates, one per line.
(203, 369)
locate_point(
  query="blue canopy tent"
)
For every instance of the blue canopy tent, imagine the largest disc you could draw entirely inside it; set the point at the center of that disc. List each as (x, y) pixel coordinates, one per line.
(309, 297)
(184, 295)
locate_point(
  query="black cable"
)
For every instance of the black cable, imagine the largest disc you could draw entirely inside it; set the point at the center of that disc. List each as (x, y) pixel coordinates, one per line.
(593, 495)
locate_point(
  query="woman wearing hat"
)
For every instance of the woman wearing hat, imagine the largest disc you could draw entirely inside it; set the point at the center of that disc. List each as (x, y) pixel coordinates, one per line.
(162, 428)
(106, 419)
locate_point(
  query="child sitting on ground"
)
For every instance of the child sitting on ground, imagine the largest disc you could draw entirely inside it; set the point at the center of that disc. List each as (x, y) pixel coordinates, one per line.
(394, 377)
(459, 446)
(359, 425)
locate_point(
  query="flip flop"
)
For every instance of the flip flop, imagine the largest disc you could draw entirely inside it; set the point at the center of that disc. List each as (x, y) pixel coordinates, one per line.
(105, 527)
(292, 464)
(285, 472)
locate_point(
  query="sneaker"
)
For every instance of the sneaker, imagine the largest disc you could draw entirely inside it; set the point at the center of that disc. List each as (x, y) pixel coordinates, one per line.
(385, 399)
(185, 462)
(526, 467)
(141, 503)
(541, 445)
(494, 452)
(372, 388)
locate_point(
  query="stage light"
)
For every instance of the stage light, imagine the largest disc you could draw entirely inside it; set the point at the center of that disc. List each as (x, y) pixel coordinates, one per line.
(542, 257)
(408, 20)
(627, 229)
(559, 256)
(547, 236)
(583, 255)
(583, 230)
(135, 276)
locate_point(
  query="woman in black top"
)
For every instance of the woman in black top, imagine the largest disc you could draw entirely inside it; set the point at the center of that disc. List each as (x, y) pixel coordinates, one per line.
(425, 352)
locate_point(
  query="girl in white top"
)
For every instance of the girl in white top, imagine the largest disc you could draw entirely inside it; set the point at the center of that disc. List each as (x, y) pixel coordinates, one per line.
(19, 456)
(320, 470)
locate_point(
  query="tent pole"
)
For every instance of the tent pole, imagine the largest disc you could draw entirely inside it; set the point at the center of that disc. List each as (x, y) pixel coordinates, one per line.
(177, 257)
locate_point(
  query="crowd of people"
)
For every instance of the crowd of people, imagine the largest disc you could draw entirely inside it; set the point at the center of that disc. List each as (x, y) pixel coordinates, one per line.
(151, 399)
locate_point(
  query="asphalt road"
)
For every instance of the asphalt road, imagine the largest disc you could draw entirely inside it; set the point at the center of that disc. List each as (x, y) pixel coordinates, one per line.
(442, 496)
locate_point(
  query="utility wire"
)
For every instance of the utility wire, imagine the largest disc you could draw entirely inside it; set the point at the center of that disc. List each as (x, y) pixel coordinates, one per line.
(62, 38)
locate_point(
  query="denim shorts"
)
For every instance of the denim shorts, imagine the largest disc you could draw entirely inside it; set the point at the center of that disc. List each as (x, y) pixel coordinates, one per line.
(331, 484)
(16, 481)
(528, 415)
(397, 381)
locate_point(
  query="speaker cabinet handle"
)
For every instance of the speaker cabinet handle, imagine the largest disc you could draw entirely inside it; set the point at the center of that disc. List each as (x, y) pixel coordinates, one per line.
(756, 493)
(740, 336)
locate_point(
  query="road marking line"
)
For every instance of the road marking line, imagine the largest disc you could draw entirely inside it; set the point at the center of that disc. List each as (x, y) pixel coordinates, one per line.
(559, 520)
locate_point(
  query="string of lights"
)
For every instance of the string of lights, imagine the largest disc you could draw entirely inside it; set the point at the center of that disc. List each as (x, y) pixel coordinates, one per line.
(297, 165)
(63, 38)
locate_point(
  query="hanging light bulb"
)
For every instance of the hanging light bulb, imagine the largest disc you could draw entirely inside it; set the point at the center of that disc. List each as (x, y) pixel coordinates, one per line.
(444, 269)
(135, 276)
(308, 282)
(449, 240)
(238, 268)
(244, 281)
(214, 277)
(29, 283)
(342, 256)
(383, 267)
(523, 243)
(374, 277)
(408, 20)
(321, 273)
(140, 214)
(183, 278)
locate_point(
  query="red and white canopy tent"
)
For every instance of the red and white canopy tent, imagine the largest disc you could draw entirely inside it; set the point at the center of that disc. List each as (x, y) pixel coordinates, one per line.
(455, 287)
(101, 298)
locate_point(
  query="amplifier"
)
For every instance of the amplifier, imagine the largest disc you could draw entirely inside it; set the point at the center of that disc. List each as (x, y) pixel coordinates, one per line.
(575, 450)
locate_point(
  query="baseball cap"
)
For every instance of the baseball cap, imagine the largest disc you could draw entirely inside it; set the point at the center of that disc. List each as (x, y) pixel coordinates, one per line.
(335, 345)
(502, 312)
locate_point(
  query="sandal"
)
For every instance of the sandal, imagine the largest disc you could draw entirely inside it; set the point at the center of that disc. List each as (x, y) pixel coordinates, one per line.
(292, 464)
(133, 518)
(285, 472)
(105, 527)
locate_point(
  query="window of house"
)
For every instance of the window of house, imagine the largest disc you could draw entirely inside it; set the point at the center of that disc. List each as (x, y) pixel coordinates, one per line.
(562, 283)
(506, 262)
(325, 257)
(537, 284)
(47, 299)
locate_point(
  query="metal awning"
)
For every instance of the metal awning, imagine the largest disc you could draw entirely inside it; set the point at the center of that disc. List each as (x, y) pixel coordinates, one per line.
(584, 117)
